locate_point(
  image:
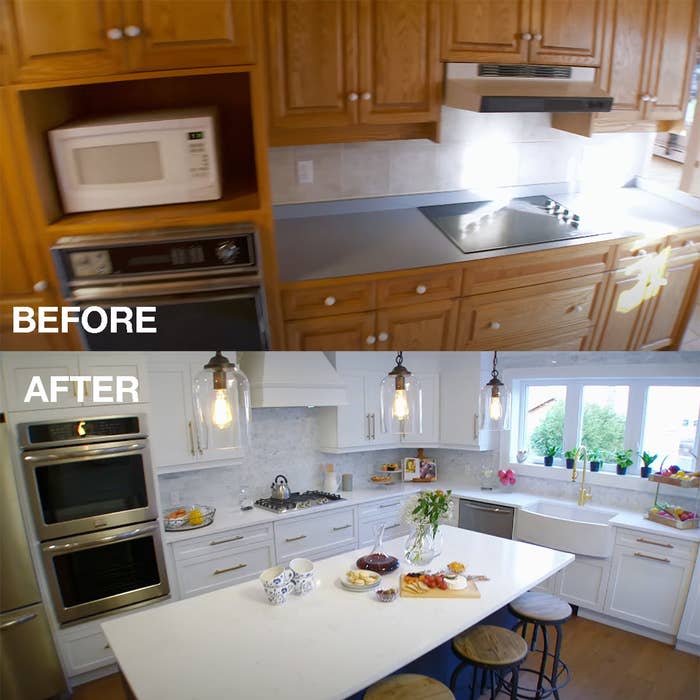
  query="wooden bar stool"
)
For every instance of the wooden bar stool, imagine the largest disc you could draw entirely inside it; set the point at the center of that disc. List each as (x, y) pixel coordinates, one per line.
(543, 610)
(408, 685)
(494, 651)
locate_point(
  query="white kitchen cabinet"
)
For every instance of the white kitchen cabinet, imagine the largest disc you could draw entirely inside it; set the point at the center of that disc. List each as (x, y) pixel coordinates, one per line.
(84, 648)
(648, 587)
(388, 512)
(430, 392)
(176, 443)
(689, 630)
(116, 364)
(584, 582)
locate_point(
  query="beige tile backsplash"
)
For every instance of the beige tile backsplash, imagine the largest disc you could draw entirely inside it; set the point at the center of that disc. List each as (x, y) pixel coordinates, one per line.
(477, 150)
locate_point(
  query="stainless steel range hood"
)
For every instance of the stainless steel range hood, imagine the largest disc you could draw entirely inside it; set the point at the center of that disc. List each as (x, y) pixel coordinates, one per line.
(523, 88)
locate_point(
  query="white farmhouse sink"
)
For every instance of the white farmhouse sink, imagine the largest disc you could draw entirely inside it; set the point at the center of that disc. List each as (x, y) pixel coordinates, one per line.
(567, 527)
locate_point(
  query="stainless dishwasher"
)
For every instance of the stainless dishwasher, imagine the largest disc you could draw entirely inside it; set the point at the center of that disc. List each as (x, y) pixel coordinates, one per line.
(486, 517)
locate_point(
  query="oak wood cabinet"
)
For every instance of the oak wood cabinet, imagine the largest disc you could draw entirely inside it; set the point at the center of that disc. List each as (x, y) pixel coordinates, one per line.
(523, 31)
(351, 65)
(62, 39)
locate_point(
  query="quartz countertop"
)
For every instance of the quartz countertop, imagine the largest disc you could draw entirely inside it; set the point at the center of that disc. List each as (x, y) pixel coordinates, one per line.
(326, 645)
(336, 239)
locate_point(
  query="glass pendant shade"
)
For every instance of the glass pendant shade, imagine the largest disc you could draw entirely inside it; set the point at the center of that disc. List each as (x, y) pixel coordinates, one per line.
(401, 402)
(222, 398)
(495, 403)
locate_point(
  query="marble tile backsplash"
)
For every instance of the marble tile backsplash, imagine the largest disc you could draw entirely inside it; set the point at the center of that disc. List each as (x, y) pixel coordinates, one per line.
(476, 150)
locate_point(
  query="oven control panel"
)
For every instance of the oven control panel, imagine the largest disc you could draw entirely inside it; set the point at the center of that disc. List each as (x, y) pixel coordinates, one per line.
(91, 263)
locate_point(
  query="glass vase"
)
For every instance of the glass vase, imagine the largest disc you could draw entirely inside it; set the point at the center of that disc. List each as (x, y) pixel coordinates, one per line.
(423, 545)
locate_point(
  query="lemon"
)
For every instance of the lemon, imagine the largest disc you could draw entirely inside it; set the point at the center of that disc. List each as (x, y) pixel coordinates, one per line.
(195, 517)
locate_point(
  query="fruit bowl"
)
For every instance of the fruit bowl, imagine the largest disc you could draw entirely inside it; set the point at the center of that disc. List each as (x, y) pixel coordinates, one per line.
(188, 517)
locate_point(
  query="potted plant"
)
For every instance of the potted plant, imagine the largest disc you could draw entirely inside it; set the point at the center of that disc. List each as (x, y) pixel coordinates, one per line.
(596, 460)
(423, 512)
(570, 457)
(549, 452)
(623, 459)
(648, 461)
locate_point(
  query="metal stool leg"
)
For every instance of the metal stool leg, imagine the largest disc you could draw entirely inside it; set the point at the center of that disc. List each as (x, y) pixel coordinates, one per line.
(493, 685)
(533, 643)
(455, 674)
(473, 695)
(514, 679)
(555, 662)
(545, 652)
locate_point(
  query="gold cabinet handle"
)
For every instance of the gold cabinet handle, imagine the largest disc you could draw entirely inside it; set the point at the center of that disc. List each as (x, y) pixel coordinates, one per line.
(391, 527)
(189, 427)
(295, 539)
(342, 527)
(230, 539)
(388, 505)
(230, 568)
(648, 556)
(658, 544)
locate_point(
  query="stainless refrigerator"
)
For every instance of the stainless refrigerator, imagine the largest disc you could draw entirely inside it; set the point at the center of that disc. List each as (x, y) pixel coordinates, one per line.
(29, 665)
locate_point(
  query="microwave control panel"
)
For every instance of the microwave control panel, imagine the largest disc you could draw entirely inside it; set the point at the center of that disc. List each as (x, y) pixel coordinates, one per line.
(198, 147)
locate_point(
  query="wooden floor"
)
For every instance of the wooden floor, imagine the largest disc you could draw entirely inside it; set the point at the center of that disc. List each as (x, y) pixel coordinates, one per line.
(606, 663)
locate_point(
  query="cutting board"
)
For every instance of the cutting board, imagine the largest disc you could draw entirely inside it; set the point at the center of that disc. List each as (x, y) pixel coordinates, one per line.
(471, 591)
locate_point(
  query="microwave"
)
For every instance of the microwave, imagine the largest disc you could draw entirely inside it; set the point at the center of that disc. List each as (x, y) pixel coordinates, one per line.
(135, 160)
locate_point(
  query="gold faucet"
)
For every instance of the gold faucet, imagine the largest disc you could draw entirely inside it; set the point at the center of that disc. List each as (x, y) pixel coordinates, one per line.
(584, 494)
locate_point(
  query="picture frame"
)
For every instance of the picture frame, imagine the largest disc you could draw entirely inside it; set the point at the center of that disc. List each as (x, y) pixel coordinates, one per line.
(423, 468)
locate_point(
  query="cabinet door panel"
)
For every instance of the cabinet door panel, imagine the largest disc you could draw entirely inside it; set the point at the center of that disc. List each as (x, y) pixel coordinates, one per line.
(623, 314)
(485, 30)
(674, 52)
(584, 582)
(400, 75)
(572, 32)
(429, 326)
(623, 73)
(56, 39)
(344, 332)
(312, 57)
(176, 34)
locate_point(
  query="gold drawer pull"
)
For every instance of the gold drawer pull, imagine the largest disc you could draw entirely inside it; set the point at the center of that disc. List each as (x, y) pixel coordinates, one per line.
(342, 527)
(230, 539)
(648, 556)
(295, 539)
(230, 568)
(388, 505)
(391, 527)
(658, 544)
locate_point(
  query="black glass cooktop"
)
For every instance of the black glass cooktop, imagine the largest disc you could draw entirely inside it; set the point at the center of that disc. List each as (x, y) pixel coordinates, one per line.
(494, 225)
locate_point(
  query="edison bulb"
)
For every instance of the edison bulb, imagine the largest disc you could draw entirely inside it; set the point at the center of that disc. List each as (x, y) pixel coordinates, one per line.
(399, 408)
(495, 407)
(221, 415)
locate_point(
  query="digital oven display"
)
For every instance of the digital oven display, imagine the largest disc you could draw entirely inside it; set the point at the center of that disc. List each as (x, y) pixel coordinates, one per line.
(195, 135)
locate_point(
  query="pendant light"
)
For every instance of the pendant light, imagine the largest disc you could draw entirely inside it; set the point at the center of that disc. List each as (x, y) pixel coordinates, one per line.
(495, 402)
(401, 401)
(222, 395)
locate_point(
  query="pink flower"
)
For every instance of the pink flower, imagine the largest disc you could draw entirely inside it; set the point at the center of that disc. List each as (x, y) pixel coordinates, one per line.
(506, 476)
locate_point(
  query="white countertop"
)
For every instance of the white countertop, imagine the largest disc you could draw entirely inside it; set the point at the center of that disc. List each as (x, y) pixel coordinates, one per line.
(329, 644)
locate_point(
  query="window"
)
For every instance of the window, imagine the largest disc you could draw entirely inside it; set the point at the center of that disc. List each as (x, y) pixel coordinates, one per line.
(671, 423)
(603, 419)
(544, 419)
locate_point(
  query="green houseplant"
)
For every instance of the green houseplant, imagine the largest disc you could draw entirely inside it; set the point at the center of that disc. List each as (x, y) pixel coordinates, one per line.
(423, 512)
(648, 461)
(549, 452)
(596, 460)
(623, 459)
(570, 457)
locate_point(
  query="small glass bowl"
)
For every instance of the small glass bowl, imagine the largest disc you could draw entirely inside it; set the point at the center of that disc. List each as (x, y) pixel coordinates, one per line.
(386, 595)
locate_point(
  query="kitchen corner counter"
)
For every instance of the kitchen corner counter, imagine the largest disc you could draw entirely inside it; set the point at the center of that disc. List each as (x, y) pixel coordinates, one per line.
(637, 521)
(329, 644)
(354, 237)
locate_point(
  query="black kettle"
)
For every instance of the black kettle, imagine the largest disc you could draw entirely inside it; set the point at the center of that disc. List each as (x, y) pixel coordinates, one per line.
(280, 488)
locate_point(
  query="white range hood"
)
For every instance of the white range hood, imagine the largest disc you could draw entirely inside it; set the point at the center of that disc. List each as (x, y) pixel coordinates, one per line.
(285, 379)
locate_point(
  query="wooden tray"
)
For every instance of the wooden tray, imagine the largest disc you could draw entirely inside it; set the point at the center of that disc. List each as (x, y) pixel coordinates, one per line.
(683, 483)
(672, 522)
(471, 591)
(423, 481)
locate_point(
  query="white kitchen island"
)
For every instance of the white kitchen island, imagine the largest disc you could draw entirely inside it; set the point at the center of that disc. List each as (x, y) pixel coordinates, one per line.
(232, 643)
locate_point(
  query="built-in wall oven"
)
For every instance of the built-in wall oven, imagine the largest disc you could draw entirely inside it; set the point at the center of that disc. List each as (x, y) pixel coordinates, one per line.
(92, 495)
(205, 283)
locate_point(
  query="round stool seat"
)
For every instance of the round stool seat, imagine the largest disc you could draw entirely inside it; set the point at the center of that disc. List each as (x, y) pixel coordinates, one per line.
(540, 607)
(408, 685)
(490, 646)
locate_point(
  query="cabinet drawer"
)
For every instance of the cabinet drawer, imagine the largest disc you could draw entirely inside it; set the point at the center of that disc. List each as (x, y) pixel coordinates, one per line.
(633, 250)
(485, 320)
(685, 244)
(331, 299)
(219, 541)
(389, 509)
(87, 652)
(304, 536)
(394, 528)
(206, 573)
(344, 332)
(431, 286)
(657, 545)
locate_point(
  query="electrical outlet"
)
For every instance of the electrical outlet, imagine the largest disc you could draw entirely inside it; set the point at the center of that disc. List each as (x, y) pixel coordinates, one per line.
(305, 172)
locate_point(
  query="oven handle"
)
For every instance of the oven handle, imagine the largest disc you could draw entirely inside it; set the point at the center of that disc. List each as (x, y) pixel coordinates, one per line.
(98, 541)
(43, 456)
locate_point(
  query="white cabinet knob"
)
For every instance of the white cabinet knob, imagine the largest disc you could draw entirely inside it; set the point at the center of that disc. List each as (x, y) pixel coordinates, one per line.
(640, 252)
(689, 244)
(366, 96)
(370, 340)
(653, 98)
(114, 33)
(421, 289)
(663, 282)
(537, 37)
(494, 325)
(40, 286)
(578, 308)
(352, 97)
(329, 301)
(646, 98)
(383, 337)
(132, 30)
(526, 36)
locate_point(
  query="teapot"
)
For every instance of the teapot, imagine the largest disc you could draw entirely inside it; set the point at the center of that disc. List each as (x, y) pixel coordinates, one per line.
(280, 488)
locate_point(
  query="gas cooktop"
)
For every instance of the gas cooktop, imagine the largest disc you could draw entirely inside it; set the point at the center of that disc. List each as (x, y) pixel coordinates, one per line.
(494, 225)
(298, 501)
